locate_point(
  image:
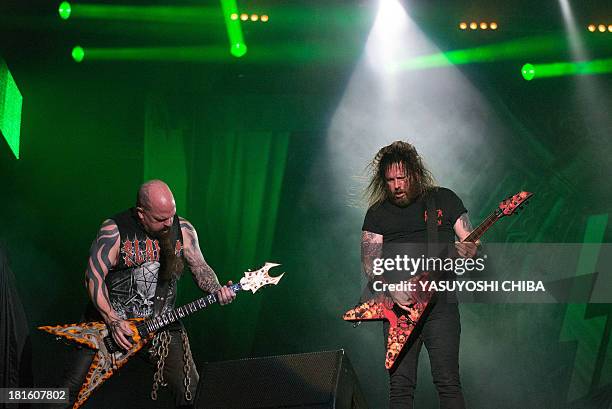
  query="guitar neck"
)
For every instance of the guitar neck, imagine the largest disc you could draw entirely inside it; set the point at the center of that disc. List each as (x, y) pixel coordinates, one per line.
(483, 227)
(156, 323)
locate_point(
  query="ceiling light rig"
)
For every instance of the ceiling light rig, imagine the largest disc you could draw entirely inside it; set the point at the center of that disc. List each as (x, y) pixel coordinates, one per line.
(601, 28)
(253, 17)
(475, 25)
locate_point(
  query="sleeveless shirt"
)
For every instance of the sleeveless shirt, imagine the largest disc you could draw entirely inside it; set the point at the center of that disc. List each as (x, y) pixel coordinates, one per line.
(132, 282)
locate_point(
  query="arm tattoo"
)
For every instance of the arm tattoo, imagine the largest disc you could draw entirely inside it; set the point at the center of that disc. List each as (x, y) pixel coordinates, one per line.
(98, 266)
(465, 222)
(186, 225)
(205, 278)
(203, 275)
(371, 248)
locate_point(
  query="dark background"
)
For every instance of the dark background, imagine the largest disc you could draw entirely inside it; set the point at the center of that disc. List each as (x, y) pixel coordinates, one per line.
(262, 166)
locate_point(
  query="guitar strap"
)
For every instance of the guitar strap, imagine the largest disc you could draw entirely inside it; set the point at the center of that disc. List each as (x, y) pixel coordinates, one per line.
(432, 226)
(161, 292)
(163, 283)
(433, 246)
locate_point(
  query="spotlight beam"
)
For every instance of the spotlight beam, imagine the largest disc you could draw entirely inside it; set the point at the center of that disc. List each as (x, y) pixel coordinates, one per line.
(167, 14)
(576, 44)
(234, 30)
(264, 54)
(561, 69)
(161, 14)
(208, 53)
(515, 49)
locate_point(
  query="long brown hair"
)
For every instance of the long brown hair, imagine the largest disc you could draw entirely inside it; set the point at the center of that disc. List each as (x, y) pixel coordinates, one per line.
(421, 179)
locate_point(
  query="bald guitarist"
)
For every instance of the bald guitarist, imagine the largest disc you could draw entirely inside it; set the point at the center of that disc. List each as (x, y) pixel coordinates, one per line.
(134, 252)
(397, 214)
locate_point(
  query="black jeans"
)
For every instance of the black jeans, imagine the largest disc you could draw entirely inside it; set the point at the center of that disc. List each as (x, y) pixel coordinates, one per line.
(440, 334)
(76, 370)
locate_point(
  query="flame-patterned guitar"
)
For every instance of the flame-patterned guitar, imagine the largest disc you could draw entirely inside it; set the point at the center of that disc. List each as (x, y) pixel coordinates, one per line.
(110, 357)
(403, 321)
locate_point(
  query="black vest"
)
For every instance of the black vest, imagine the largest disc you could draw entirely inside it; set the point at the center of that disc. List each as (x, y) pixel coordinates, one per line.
(131, 283)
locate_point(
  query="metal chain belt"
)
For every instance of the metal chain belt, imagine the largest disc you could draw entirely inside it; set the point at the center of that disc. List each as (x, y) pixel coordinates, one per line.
(160, 350)
(161, 341)
(187, 365)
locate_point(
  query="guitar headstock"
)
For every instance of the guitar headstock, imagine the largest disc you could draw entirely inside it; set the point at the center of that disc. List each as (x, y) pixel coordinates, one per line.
(254, 280)
(513, 203)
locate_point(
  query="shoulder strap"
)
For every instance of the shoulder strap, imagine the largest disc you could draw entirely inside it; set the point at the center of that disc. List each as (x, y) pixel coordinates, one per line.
(432, 226)
(161, 292)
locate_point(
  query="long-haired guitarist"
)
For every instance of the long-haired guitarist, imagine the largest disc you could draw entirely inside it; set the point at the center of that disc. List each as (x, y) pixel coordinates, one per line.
(133, 252)
(397, 213)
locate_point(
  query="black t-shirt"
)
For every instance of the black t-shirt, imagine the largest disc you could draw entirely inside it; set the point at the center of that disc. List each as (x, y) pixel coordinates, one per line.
(408, 224)
(404, 230)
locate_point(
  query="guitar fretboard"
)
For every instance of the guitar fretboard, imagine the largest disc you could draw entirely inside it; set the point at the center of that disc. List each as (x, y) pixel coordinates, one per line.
(156, 323)
(483, 227)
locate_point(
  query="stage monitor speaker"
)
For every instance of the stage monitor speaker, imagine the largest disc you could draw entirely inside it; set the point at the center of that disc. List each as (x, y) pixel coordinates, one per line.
(317, 380)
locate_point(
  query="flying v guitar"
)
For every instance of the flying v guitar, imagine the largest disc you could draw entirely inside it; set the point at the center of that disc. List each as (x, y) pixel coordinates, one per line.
(402, 322)
(109, 357)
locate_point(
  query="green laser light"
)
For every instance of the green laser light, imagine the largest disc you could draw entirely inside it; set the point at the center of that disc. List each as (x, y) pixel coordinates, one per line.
(65, 10)
(78, 53)
(528, 72)
(238, 50)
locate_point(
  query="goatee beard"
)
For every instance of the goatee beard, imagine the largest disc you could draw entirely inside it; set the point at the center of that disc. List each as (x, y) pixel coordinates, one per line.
(171, 265)
(405, 201)
(161, 234)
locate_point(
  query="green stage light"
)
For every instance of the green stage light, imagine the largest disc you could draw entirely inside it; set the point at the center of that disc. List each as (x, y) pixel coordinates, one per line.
(528, 72)
(11, 102)
(170, 14)
(521, 48)
(78, 53)
(65, 10)
(239, 49)
(201, 53)
(561, 69)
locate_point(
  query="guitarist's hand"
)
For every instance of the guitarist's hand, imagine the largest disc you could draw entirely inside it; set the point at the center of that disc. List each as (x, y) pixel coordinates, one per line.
(225, 295)
(121, 332)
(466, 249)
